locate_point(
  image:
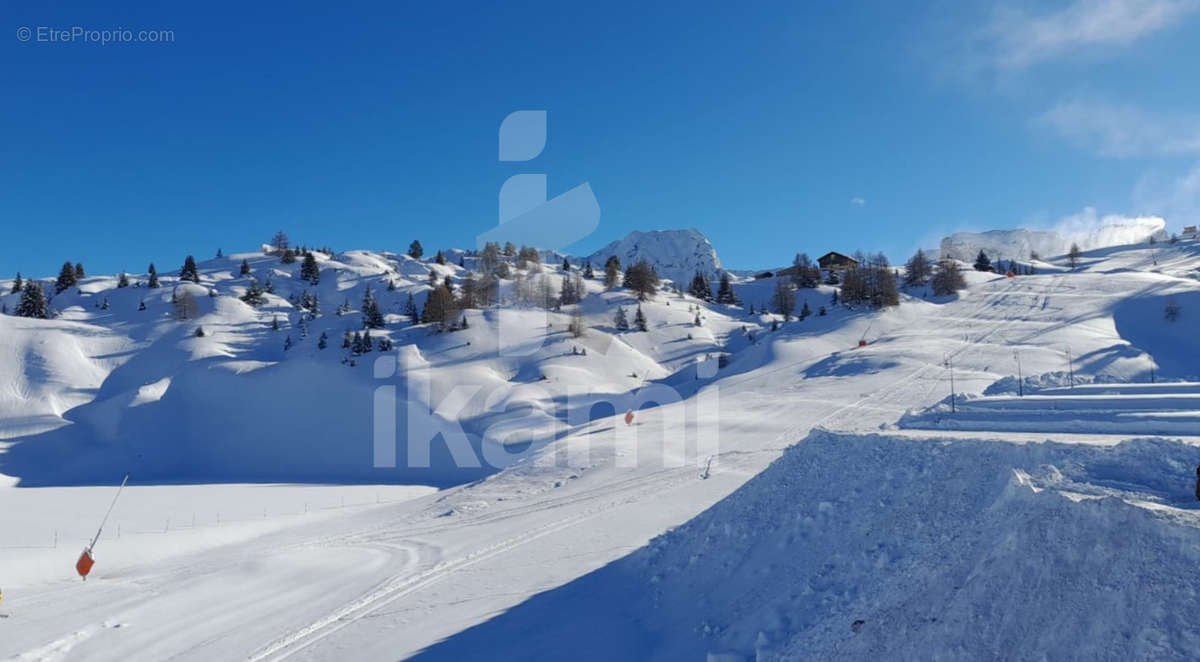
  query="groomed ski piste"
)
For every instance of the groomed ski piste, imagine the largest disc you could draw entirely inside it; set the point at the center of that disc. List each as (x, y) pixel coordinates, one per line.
(847, 513)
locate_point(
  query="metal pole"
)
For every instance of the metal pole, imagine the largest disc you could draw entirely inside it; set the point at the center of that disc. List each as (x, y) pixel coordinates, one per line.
(110, 509)
(1020, 379)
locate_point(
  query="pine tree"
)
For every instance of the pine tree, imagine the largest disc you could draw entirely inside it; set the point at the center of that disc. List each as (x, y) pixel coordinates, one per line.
(18, 284)
(104, 304)
(983, 262)
(269, 288)
(346, 340)
(509, 249)
(123, 280)
(141, 305)
(1073, 255)
(274, 323)
(643, 280)
(199, 332)
(566, 265)
(805, 311)
(288, 257)
(620, 321)
(489, 258)
(463, 324)
(254, 294)
(33, 301)
(948, 279)
(700, 287)
(287, 343)
(79, 271)
(220, 253)
(309, 270)
(66, 278)
(368, 345)
(415, 251)
(639, 319)
(918, 269)
(725, 293)
(696, 320)
(612, 270)
(372, 316)
(153, 280)
(245, 268)
(323, 341)
(188, 271)
(575, 327)
(410, 310)
(439, 258)
(587, 271)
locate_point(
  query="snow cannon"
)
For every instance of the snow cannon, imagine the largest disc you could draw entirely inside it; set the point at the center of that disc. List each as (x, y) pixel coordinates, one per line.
(629, 417)
(1010, 274)
(84, 565)
(862, 343)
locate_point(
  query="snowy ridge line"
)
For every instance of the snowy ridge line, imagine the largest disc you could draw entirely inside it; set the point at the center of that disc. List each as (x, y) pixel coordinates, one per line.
(300, 639)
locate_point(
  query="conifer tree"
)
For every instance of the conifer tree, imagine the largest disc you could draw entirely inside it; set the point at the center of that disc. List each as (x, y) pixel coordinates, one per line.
(982, 262)
(948, 278)
(700, 287)
(323, 341)
(368, 345)
(188, 271)
(66, 278)
(18, 284)
(153, 280)
(415, 251)
(372, 316)
(612, 270)
(33, 301)
(245, 268)
(288, 257)
(410, 310)
(123, 280)
(805, 311)
(199, 332)
(643, 280)
(725, 293)
(805, 274)
(918, 269)
(141, 305)
(309, 270)
(287, 343)
(785, 298)
(254, 294)
(587, 271)
(346, 340)
(509, 249)
(566, 265)
(639, 319)
(439, 258)
(1073, 255)
(280, 242)
(620, 321)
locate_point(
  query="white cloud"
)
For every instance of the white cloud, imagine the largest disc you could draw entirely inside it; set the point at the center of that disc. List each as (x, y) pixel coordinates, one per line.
(858, 202)
(1122, 130)
(1014, 40)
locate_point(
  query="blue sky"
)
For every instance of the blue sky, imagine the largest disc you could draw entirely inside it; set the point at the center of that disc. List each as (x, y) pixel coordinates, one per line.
(777, 128)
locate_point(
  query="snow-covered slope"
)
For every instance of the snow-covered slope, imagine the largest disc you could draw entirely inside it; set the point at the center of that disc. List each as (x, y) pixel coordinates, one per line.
(675, 254)
(1020, 243)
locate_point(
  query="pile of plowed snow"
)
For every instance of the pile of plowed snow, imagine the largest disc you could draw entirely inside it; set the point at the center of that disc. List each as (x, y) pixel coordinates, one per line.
(871, 547)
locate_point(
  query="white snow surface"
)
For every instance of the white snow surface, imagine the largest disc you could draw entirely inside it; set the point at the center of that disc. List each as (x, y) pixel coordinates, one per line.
(840, 518)
(1087, 231)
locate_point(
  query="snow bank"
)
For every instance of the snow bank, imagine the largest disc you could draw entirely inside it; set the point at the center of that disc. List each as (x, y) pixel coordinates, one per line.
(872, 547)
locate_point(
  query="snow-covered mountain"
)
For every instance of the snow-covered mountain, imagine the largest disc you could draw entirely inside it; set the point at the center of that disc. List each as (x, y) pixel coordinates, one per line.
(1088, 231)
(675, 254)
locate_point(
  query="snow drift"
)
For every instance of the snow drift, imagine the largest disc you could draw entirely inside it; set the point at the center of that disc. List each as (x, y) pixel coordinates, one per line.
(915, 550)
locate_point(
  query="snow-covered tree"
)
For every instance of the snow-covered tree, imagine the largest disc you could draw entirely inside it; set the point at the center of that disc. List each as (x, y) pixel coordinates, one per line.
(33, 301)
